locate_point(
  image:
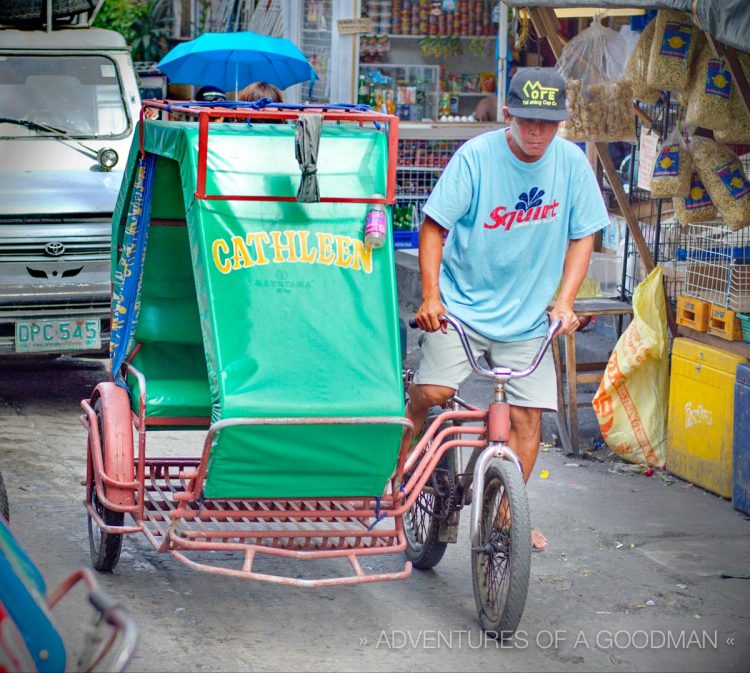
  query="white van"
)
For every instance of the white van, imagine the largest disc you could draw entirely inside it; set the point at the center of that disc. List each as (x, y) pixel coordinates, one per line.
(69, 103)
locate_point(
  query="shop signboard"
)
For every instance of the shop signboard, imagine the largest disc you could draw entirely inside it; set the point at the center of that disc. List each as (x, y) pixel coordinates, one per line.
(354, 26)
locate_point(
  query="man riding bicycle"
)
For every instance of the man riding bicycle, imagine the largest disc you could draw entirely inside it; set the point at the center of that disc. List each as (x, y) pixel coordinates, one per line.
(511, 219)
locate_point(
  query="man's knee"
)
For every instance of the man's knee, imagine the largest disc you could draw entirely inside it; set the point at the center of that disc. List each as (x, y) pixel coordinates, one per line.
(424, 396)
(526, 421)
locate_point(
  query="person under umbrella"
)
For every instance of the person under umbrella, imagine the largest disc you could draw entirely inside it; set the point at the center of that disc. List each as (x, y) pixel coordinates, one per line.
(258, 90)
(210, 93)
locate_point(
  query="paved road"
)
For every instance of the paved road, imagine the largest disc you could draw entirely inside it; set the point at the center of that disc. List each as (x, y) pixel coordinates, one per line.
(630, 582)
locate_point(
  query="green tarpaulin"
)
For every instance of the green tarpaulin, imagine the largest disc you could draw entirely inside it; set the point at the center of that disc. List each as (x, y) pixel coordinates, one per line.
(270, 309)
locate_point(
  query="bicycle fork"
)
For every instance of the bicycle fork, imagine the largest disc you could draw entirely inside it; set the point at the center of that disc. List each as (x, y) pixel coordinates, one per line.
(498, 433)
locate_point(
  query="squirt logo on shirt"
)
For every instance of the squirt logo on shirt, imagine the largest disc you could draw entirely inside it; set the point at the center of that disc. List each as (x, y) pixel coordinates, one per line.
(529, 209)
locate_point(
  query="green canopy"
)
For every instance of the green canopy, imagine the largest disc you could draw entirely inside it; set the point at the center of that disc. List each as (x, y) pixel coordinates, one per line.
(271, 309)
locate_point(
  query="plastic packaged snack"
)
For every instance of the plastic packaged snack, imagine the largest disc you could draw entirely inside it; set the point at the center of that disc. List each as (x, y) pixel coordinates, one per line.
(709, 99)
(672, 168)
(636, 70)
(672, 50)
(738, 130)
(726, 182)
(696, 206)
(599, 101)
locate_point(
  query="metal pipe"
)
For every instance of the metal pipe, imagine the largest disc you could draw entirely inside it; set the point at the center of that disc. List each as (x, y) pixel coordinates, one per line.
(502, 60)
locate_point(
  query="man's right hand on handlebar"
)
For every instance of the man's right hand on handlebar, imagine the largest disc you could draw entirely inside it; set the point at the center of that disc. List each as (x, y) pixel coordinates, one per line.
(428, 315)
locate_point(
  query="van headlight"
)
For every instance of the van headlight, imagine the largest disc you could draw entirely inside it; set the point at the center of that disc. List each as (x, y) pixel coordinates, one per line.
(107, 158)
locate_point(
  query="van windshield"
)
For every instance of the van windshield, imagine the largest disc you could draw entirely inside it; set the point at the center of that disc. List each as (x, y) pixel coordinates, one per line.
(78, 96)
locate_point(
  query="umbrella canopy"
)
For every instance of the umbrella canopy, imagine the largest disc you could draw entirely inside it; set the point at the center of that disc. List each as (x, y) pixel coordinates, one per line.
(234, 60)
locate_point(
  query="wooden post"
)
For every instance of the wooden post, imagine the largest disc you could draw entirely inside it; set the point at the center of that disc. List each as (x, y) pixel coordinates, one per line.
(547, 25)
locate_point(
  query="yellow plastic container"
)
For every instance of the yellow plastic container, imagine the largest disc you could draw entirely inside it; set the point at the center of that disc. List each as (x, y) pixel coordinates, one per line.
(693, 313)
(724, 323)
(701, 403)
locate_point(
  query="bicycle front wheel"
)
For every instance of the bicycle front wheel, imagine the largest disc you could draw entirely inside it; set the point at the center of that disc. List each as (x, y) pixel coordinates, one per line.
(501, 564)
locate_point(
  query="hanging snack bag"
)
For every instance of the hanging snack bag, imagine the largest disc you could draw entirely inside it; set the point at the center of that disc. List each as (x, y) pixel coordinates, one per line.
(696, 206)
(599, 101)
(672, 51)
(738, 129)
(671, 176)
(727, 185)
(709, 101)
(636, 70)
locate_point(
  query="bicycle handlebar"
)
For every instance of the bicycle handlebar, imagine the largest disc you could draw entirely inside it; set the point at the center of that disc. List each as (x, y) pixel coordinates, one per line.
(498, 372)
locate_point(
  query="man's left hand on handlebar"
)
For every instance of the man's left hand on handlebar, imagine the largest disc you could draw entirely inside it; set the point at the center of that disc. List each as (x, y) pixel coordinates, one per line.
(570, 321)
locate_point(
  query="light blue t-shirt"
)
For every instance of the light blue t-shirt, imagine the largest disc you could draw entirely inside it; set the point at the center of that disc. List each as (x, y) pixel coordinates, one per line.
(509, 223)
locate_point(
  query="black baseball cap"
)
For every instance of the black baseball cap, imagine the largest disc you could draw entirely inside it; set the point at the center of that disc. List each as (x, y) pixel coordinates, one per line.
(210, 93)
(537, 93)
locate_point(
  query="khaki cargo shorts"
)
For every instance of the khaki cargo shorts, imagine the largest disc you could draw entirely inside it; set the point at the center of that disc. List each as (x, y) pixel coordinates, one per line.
(444, 364)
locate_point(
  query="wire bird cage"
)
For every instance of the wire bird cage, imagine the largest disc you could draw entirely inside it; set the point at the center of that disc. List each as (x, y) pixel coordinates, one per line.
(718, 265)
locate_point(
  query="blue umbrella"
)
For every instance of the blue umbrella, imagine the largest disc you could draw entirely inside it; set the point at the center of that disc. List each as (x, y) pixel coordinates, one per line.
(234, 60)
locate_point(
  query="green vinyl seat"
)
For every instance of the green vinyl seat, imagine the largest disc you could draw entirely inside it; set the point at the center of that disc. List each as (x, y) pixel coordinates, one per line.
(171, 355)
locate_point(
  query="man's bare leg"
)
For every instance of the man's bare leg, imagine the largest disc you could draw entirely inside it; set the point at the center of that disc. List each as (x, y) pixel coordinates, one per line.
(421, 398)
(525, 435)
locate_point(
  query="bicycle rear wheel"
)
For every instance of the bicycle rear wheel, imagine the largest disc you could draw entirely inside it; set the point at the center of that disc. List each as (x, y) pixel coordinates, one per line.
(422, 520)
(501, 564)
(433, 505)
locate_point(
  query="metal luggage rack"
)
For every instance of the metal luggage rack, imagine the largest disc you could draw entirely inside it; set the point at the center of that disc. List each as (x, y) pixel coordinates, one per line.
(343, 529)
(337, 523)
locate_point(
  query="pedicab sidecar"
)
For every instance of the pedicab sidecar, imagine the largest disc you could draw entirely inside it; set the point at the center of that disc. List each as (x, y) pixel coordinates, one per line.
(268, 325)
(249, 309)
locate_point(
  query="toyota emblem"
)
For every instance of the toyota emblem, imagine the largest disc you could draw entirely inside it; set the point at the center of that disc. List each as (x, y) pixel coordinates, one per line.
(54, 249)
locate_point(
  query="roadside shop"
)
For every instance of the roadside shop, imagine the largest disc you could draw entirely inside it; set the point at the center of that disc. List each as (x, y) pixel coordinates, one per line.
(680, 200)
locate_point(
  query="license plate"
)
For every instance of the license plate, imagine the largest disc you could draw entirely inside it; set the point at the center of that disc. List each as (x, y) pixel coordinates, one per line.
(37, 336)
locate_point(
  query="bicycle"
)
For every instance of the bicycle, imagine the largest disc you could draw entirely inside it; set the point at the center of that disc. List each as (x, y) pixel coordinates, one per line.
(500, 552)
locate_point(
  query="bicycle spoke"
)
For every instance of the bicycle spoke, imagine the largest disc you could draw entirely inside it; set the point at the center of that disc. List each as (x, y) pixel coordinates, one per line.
(423, 519)
(496, 550)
